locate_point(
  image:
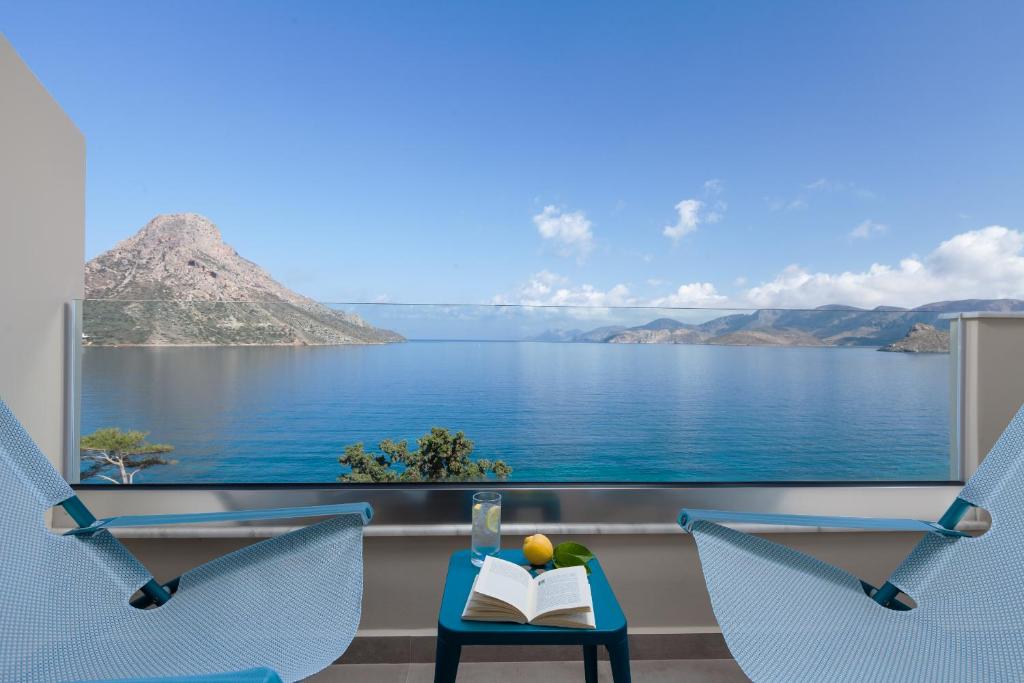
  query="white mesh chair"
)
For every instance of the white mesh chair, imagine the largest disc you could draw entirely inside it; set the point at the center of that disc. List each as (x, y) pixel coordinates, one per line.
(789, 617)
(289, 605)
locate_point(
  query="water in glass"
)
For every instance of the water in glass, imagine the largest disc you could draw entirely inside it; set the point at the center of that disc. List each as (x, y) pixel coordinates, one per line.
(486, 526)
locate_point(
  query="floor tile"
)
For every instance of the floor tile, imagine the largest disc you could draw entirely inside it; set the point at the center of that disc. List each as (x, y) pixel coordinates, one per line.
(687, 671)
(644, 671)
(511, 672)
(363, 673)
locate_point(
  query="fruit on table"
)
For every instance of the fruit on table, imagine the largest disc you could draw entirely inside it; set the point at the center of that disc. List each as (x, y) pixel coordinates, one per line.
(493, 519)
(538, 549)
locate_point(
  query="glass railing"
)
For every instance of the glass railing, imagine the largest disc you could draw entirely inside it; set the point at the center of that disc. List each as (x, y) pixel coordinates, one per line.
(213, 393)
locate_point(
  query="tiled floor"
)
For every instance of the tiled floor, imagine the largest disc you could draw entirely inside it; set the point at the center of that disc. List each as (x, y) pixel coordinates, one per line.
(644, 671)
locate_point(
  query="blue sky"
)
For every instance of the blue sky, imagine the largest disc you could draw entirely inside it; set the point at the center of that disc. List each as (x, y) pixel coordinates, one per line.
(791, 153)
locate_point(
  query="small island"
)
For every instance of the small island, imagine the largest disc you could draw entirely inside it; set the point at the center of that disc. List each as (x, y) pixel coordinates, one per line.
(921, 338)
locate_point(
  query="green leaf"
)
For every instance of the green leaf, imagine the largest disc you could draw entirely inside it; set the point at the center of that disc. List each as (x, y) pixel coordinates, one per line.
(571, 554)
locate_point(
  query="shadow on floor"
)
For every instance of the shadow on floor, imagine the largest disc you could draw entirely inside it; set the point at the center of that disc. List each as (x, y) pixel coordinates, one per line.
(643, 671)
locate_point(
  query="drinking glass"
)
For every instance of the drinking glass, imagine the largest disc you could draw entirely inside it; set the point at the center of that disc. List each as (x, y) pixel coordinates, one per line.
(486, 526)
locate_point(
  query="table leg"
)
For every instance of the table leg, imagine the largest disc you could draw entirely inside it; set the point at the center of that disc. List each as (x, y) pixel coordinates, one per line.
(446, 662)
(618, 653)
(590, 663)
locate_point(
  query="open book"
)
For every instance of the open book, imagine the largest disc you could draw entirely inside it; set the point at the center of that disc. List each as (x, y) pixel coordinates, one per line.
(504, 591)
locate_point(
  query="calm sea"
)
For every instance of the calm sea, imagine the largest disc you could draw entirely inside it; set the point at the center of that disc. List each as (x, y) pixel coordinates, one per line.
(554, 412)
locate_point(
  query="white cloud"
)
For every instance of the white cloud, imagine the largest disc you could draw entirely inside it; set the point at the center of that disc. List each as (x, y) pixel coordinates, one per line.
(693, 212)
(713, 187)
(571, 230)
(689, 219)
(696, 294)
(985, 263)
(550, 289)
(866, 229)
(717, 213)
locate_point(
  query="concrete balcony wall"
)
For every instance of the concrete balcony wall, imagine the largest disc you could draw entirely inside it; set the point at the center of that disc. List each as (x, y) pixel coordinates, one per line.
(992, 379)
(42, 245)
(657, 577)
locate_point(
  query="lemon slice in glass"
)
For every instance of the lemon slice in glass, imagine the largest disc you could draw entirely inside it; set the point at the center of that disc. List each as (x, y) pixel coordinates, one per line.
(493, 518)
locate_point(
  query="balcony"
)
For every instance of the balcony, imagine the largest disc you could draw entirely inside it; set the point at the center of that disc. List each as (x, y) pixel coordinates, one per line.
(597, 422)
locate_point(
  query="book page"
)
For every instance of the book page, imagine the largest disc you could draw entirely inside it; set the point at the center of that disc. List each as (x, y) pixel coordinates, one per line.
(562, 589)
(567, 620)
(480, 607)
(505, 581)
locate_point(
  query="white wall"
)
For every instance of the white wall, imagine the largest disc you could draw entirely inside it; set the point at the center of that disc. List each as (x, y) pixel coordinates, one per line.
(993, 379)
(42, 233)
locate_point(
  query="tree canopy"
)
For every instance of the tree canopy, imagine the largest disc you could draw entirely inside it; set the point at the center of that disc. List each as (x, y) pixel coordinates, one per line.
(125, 452)
(440, 456)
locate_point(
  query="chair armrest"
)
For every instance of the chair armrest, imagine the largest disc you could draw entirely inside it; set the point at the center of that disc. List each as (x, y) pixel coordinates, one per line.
(364, 510)
(688, 516)
(261, 675)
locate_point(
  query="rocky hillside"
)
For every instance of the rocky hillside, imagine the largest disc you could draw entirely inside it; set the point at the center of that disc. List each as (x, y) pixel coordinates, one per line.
(921, 338)
(660, 331)
(177, 282)
(767, 338)
(824, 326)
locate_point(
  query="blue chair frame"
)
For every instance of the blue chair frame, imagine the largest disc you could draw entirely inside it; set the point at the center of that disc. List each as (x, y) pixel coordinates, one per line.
(886, 595)
(154, 593)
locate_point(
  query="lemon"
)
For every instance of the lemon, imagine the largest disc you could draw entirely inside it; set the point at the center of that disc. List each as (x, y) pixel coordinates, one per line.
(493, 519)
(538, 549)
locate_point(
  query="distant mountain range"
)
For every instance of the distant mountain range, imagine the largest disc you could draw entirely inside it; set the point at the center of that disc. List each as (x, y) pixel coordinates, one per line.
(176, 282)
(831, 325)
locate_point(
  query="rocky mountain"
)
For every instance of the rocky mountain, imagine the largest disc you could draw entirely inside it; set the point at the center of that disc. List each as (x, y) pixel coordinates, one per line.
(921, 338)
(832, 325)
(767, 338)
(684, 334)
(177, 282)
(601, 334)
(556, 336)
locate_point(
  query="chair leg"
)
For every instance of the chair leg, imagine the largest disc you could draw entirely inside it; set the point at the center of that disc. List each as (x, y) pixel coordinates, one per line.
(446, 662)
(590, 663)
(618, 653)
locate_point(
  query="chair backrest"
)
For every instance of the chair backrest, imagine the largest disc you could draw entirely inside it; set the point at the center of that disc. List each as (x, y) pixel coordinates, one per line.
(48, 581)
(291, 602)
(26, 467)
(954, 580)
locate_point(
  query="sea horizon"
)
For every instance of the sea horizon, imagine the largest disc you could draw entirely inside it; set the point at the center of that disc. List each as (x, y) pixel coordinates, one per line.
(553, 411)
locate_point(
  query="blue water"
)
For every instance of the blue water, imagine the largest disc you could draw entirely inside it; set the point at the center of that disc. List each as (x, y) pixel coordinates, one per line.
(554, 412)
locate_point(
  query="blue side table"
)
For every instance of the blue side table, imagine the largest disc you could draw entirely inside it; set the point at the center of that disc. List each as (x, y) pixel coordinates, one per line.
(453, 632)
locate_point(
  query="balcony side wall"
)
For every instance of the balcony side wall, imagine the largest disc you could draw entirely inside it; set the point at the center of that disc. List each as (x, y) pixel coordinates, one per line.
(993, 381)
(42, 237)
